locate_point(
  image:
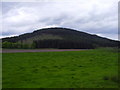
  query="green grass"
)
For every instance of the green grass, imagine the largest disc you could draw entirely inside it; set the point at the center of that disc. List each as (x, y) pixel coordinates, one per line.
(69, 69)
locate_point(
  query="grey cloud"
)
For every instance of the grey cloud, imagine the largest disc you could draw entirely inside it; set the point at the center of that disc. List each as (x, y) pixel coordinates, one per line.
(98, 17)
(56, 19)
(7, 33)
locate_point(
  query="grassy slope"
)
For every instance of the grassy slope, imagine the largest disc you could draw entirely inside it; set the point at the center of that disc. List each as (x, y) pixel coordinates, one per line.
(41, 37)
(74, 69)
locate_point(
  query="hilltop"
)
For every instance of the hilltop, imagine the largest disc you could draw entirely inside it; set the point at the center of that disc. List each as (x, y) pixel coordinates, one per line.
(58, 37)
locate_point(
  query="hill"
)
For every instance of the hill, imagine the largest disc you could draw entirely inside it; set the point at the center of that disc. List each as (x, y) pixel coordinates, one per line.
(58, 38)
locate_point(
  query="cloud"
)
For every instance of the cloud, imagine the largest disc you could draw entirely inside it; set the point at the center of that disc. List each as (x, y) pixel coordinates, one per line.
(93, 16)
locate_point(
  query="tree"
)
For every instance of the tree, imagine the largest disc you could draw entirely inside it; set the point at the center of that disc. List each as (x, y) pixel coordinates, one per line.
(25, 46)
(33, 45)
(7, 44)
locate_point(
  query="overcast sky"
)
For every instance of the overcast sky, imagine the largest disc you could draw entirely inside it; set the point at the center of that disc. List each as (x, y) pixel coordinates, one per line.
(93, 16)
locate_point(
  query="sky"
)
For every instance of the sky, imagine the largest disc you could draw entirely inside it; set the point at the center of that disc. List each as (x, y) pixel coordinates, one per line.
(98, 17)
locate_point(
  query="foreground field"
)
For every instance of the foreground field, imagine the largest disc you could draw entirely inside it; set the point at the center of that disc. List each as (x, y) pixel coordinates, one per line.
(70, 69)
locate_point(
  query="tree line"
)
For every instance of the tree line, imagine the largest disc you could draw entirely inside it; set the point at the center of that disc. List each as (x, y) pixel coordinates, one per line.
(62, 44)
(59, 44)
(11, 45)
(56, 43)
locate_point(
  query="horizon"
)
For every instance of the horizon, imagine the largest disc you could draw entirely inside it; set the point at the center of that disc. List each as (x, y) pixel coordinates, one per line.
(57, 27)
(94, 17)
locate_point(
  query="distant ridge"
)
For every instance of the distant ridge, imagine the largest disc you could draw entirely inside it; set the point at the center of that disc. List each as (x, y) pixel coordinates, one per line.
(58, 37)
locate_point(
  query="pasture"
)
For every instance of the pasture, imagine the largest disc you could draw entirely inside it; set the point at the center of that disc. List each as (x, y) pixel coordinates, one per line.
(68, 69)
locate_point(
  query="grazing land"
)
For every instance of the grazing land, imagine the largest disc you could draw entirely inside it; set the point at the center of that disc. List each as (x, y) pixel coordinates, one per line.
(96, 68)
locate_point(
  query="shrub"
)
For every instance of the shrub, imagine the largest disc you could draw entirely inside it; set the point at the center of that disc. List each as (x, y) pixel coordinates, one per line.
(105, 78)
(113, 78)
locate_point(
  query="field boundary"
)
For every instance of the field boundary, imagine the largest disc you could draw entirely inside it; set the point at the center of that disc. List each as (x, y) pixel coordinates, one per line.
(38, 50)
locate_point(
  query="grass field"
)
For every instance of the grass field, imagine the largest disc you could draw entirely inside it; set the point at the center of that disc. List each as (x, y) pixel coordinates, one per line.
(69, 69)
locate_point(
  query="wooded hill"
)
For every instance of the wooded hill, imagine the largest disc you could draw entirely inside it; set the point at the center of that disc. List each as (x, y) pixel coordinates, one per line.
(62, 38)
